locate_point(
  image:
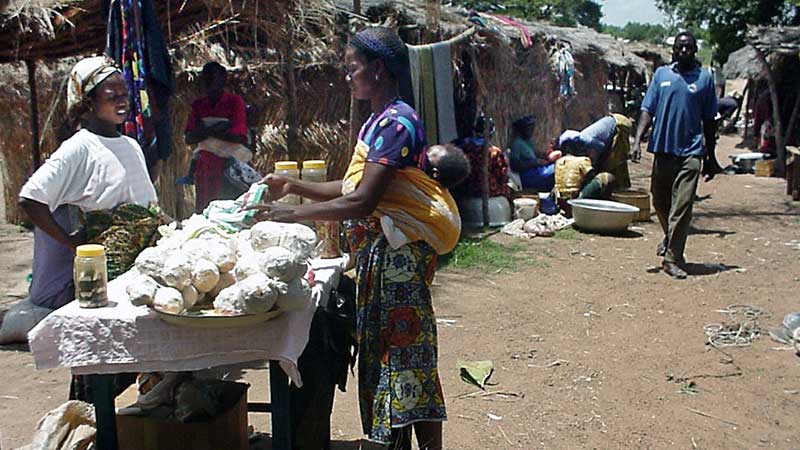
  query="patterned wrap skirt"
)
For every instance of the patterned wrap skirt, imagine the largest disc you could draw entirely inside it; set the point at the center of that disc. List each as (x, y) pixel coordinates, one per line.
(398, 379)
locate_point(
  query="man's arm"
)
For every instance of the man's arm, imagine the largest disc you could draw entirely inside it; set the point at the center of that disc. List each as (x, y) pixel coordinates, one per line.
(711, 166)
(644, 122)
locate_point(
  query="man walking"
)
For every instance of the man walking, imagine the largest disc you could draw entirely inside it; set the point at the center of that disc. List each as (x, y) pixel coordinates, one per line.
(682, 100)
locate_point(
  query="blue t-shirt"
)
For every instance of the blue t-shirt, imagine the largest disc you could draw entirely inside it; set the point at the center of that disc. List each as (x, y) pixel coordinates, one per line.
(396, 137)
(679, 103)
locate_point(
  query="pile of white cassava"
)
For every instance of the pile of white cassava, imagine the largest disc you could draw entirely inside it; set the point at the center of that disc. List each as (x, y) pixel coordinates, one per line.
(249, 272)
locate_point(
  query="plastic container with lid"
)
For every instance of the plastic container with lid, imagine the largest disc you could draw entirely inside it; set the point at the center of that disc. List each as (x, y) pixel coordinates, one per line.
(91, 276)
(328, 232)
(314, 170)
(288, 169)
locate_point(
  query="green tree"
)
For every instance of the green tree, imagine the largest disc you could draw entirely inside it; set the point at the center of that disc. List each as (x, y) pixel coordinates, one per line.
(636, 31)
(727, 20)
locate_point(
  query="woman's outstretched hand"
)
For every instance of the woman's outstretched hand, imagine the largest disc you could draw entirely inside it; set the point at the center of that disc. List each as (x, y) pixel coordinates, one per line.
(278, 186)
(276, 212)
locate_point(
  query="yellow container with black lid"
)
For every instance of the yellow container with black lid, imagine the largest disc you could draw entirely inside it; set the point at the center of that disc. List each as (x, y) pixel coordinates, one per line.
(91, 276)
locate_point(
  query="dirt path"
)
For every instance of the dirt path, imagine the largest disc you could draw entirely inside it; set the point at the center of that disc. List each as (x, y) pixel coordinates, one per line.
(592, 350)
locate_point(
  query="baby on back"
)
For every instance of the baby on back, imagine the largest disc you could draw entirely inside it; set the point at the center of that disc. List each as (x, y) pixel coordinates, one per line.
(448, 166)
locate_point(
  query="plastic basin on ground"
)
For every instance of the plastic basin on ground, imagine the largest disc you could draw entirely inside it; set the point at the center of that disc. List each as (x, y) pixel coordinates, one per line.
(602, 216)
(472, 216)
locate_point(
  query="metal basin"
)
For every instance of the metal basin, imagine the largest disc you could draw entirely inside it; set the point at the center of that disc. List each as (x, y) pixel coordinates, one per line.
(747, 161)
(602, 216)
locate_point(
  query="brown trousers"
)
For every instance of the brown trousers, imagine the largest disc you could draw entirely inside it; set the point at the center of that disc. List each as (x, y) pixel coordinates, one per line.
(674, 185)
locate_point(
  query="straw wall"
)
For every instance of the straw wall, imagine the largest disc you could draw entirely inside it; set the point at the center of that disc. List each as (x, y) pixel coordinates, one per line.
(515, 82)
(15, 125)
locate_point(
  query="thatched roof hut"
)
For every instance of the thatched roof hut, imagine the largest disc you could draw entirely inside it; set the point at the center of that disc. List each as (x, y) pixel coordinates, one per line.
(770, 60)
(250, 38)
(514, 80)
(778, 43)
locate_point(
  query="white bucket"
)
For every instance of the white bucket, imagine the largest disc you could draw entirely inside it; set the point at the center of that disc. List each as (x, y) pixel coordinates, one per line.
(525, 208)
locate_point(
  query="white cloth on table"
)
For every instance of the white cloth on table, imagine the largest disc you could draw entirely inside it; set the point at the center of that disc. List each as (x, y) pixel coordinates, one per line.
(93, 173)
(126, 338)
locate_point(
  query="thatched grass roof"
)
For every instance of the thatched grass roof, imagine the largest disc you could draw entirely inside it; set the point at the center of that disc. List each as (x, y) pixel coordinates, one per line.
(776, 43)
(453, 20)
(53, 29)
(783, 40)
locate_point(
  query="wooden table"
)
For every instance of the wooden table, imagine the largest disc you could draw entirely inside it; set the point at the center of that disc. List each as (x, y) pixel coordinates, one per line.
(102, 386)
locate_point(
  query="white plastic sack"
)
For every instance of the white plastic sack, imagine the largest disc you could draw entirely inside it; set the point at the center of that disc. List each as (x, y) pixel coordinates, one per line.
(71, 426)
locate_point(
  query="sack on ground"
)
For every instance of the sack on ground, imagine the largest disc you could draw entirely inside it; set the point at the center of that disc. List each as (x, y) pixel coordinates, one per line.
(21, 318)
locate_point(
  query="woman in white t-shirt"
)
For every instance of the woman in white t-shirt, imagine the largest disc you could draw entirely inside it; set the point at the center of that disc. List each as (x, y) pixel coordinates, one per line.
(97, 168)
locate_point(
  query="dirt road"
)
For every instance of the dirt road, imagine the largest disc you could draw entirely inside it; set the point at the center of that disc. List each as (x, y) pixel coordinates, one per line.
(591, 349)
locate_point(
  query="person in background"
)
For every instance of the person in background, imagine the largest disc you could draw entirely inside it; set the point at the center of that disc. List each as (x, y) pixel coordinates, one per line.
(474, 147)
(682, 100)
(607, 144)
(535, 170)
(218, 125)
(399, 385)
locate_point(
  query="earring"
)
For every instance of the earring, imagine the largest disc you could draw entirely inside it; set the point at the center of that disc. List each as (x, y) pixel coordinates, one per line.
(377, 78)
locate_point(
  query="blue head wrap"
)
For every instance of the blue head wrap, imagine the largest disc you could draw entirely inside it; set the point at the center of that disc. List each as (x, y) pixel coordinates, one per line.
(384, 44)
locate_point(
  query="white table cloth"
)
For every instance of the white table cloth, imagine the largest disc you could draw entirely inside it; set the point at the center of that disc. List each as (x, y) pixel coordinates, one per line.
(126, 338)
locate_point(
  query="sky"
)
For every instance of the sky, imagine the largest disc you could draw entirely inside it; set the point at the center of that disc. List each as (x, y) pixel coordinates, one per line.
(620, 12)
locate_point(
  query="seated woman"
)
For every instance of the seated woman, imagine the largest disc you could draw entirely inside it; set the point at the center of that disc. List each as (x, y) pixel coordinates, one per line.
(607, 143)
(535, 170)
(95, 169)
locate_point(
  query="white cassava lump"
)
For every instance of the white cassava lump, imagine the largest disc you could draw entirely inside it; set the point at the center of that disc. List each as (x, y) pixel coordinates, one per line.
(222, 255)
(225, 280)
(205, 275)
(282, 264)
(168, 300)
(256, 294)
(177, 271)
(142, 290)
(294, 236)
(190, 296)
(150, 262)
(247, 266)
(195, 249)
(297, 296)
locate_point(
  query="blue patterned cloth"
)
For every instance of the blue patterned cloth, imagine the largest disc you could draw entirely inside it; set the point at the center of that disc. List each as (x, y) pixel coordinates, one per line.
(398, 379)
(396, 137)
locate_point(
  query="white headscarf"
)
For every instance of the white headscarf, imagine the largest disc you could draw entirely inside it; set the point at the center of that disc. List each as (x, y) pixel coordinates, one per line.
(86, 75)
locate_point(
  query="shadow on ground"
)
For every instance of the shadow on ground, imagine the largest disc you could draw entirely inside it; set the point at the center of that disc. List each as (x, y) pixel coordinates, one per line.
(15, 347)
(701, 269)
(705, 232)
(264, 442)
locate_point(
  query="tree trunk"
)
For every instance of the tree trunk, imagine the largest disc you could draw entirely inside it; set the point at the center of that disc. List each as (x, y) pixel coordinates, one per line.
(37, 158)
(780, 164)
(793, 120)
(292, 141)
(748, 104)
